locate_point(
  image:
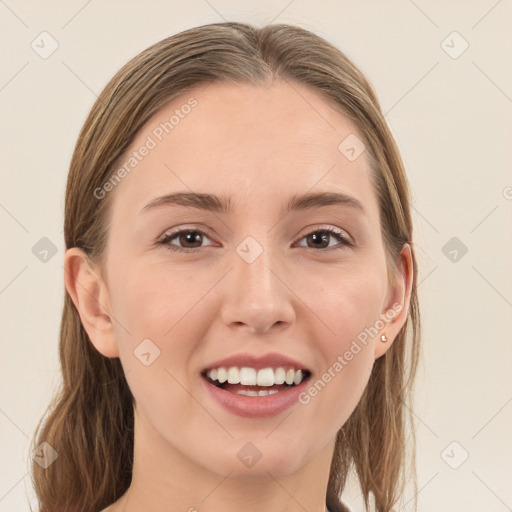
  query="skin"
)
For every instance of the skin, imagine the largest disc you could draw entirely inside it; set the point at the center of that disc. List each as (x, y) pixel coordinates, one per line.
(259, 145)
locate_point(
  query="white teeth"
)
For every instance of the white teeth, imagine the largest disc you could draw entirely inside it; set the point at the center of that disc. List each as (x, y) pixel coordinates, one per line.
(263, 392)
(266, 377)
(222, 375)
(247, 376)
(234, 375)
(247, 392)
(250, 377)
(280, 376)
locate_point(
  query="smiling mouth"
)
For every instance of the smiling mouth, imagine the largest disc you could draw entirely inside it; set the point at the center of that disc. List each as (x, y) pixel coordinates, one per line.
(251, 389)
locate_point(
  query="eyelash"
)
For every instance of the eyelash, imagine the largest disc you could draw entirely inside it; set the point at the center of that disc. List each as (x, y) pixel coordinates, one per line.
(343, 239)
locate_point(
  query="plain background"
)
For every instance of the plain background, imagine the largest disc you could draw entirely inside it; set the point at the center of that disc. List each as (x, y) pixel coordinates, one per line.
(451, 117)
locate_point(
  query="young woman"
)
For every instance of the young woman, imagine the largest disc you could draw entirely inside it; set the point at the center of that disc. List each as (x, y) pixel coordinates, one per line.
(241, 323)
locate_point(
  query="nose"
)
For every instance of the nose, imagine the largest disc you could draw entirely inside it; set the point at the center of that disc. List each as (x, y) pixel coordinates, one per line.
(257, 296)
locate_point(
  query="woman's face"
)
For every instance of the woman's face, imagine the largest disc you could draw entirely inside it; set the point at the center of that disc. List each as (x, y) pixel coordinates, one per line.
(263, 279)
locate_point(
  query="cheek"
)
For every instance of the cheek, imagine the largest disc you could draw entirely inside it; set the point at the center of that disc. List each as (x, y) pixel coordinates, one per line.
(336, 388)
(152, 301)
(351, 306)
(351, 300)
(161, 335)
(334, 394)
(164, 322)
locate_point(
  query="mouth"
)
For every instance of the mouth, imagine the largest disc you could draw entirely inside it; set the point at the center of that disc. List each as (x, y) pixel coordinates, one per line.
(253, 382)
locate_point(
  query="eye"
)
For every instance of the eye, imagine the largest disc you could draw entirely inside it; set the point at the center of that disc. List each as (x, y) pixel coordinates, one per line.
(194, 237)
(184, 236)
(320, 237)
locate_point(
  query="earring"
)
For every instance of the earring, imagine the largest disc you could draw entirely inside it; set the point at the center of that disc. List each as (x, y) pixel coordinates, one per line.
(383, 338)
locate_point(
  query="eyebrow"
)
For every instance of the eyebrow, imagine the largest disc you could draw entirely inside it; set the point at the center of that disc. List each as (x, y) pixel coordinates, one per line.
(213, 203)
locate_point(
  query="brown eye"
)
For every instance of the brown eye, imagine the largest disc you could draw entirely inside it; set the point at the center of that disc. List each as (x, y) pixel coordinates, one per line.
(189, 240)
(320, 239)
(190, 237)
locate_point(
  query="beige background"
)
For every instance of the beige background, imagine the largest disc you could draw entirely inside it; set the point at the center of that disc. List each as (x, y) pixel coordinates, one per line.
(452, 121)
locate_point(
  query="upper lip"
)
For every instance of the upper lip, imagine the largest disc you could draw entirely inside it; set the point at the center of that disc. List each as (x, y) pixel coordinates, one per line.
(271, 360)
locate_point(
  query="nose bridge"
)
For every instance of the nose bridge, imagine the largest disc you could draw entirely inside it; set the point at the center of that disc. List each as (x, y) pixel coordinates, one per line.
(253, 265)
(256, 296)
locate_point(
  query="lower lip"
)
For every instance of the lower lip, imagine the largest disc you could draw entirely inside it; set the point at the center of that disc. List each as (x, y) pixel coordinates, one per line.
(256, 406)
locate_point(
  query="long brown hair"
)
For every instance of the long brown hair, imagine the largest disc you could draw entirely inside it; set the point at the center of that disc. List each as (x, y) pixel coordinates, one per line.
(89, 422)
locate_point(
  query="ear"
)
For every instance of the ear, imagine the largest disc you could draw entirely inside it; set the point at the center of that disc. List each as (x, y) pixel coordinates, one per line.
(396, 308)
(90, 296)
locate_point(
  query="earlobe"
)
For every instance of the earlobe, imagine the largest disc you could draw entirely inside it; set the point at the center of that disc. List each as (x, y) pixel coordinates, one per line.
(90, 296)
(395, 313)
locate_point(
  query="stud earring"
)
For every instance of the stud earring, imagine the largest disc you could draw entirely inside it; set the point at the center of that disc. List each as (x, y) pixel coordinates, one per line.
(383, 338)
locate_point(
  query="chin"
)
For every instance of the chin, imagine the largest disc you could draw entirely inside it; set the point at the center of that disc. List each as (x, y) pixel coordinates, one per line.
(249, 463)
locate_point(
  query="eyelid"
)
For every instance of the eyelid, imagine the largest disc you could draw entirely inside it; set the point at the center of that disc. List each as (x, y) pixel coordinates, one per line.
(185, 227)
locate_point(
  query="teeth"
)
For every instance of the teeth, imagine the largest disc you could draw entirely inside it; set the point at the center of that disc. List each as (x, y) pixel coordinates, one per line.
(280, 376)
(266, 377)
(250, 377)
(222, 375)
(263, 392)
(234, 375)
(247, 376)
(247, 393)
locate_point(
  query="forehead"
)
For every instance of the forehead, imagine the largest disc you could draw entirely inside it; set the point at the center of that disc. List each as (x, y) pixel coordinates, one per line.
(244, 140)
